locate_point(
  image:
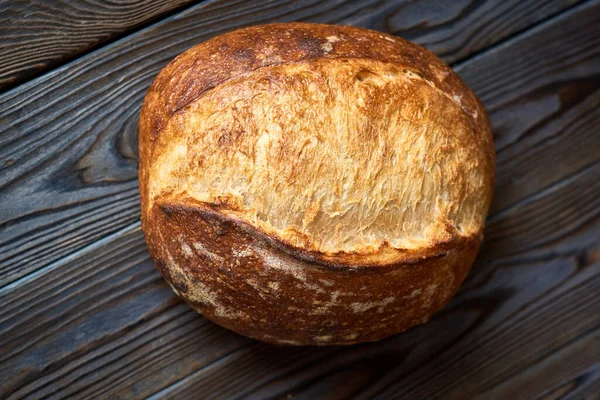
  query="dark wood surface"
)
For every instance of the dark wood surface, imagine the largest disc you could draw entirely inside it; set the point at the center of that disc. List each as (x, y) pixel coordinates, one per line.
(39, 34)
(83, 313)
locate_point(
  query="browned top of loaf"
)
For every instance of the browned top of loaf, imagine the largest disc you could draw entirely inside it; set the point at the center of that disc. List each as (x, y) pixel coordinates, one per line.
(208, 64)
(348, 144)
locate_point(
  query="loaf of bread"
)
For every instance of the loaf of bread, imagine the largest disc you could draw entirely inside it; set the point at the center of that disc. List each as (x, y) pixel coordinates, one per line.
(311, 184)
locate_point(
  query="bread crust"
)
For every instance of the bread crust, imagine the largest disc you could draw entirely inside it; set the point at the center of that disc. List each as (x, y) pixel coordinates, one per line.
(257, 286)
(286, 281)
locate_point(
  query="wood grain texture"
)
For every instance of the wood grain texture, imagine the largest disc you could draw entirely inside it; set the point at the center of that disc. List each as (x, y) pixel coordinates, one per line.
(104, 323)
(455, 29)
(544, 106)
(101, 322)
(91, 323)
(38, 34)
(68, 173)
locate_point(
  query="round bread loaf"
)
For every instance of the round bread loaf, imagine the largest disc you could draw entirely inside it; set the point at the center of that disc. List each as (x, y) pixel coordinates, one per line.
(311, 184)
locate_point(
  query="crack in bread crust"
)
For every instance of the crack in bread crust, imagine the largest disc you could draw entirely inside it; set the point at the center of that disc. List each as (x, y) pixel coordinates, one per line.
(239, 278)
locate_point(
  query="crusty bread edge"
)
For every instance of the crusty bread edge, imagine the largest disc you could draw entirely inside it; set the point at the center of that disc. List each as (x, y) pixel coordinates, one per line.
(194, 274)
(250, 283)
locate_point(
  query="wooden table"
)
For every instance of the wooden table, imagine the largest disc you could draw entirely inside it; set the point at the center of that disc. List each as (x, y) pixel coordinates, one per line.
(84, 314)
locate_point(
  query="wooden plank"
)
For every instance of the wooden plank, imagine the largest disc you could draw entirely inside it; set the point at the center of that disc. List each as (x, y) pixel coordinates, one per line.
(37, 35)
(68, 139)
(458, 29)
(562, 144)
(516, 314)
(86, 327)
(533, 221)
(104, 324)
(565, 371)
(543, 97)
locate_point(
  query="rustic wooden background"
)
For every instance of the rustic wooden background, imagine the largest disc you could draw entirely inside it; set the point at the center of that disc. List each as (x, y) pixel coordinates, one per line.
(83, 313)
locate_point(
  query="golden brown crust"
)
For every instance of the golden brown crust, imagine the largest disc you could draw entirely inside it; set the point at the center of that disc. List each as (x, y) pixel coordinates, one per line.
(293, 149)
(244, 280)
(212, 62)
(260, 244)
(209, 64)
